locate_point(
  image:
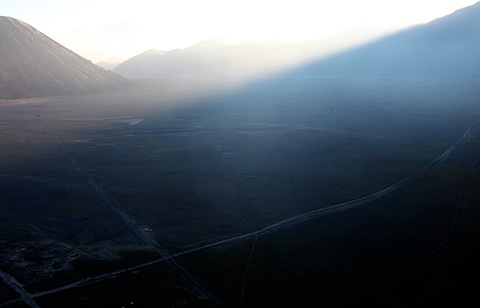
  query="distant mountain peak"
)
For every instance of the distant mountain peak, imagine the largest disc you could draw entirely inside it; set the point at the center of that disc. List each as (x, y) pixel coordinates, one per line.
(155, 51)
(106, 65)
(34, 65)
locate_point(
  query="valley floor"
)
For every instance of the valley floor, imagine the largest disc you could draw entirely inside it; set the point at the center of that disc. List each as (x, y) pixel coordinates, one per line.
(284, 192)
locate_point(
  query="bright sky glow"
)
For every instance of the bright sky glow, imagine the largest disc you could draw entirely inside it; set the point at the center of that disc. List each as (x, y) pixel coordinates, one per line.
(114, 30)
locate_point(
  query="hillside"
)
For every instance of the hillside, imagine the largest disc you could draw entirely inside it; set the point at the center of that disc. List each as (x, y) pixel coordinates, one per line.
(445, 47)
(33, 65)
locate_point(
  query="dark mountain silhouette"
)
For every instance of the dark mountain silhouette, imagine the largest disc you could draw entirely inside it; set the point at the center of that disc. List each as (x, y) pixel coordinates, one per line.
(33, 65)
(448, 46)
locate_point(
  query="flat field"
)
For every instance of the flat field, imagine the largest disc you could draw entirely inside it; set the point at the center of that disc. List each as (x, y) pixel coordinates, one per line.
(283, 192)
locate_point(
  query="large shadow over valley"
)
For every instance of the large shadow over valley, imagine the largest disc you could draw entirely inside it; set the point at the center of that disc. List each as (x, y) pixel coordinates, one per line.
(290, 191)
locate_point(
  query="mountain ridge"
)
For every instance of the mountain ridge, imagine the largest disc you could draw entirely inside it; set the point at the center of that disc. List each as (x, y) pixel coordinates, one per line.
(447, 46)
(34, 65)
(218, 58)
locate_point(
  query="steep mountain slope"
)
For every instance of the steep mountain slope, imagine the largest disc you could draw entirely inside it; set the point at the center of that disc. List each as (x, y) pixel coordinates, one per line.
(33, 65)
(448, 46)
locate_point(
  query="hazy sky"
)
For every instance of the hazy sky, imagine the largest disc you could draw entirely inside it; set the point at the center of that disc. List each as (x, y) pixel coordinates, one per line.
(113, 30)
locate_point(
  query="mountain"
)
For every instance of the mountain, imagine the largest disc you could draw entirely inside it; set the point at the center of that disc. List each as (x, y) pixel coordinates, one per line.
(217, 58)
(106, 65)
(141, 65)
(448, 46)
(212, 58)
(33, 65)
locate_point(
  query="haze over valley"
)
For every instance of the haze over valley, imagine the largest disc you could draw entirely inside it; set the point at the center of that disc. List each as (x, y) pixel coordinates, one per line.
(318, 173)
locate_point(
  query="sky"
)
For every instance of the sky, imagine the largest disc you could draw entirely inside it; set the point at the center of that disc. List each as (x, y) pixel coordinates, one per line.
(115, 30)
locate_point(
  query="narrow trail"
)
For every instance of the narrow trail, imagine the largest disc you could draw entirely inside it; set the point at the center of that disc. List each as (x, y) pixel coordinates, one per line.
(17, 286)
(408, 274)
(136, 228)
(247, 270)
(455, 216)
(241, 198)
